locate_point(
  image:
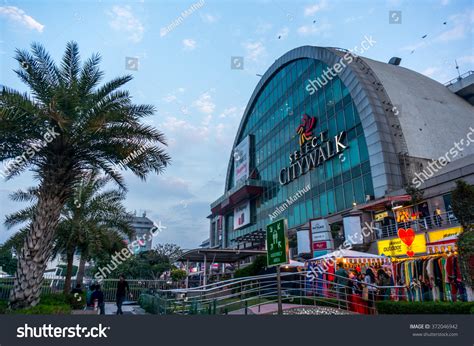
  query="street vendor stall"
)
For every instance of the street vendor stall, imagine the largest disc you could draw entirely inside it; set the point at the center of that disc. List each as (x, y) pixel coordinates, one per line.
(323, 268)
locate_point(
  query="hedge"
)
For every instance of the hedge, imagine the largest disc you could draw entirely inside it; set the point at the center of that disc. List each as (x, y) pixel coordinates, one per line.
(388, 307)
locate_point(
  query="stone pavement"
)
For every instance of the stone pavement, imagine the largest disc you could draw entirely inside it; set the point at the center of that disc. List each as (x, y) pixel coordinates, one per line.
(111, 309)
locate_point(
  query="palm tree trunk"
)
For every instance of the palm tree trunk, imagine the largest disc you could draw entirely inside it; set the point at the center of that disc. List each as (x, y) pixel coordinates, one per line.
(81, 269)
(70, 262)
(38, 244)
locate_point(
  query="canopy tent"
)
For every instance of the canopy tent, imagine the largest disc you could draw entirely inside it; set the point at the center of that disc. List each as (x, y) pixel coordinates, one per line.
(347, 254)
(293, 264)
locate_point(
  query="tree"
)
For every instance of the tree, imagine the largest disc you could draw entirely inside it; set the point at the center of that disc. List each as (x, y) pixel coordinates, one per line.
(68, 124)
(148, 264)
(91, 221)
(463, 209)
(7, 262)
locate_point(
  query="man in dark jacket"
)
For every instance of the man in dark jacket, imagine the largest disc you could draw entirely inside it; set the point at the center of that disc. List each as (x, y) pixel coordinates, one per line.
(99, 296)
(122, 290)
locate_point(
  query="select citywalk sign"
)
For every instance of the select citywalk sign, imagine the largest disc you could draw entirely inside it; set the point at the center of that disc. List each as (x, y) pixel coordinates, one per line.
(314, 150)
(277, 243)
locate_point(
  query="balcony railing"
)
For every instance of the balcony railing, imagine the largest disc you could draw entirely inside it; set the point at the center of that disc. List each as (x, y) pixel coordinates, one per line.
(419, 225)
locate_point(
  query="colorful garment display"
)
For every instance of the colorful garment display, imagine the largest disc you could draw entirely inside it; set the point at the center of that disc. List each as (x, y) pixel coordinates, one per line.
(434, 277)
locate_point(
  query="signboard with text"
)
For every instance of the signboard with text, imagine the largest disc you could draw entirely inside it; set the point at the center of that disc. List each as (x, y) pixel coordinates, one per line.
(396, 247)
(277, 243)
(242, 215)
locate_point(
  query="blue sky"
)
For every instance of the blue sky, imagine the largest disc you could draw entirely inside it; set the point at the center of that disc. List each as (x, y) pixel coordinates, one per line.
(186, 72)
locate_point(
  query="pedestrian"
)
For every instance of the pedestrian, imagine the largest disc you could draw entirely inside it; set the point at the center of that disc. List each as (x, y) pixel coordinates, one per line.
(341, 280)
(383, 281)
(369, 280)
(122, 290)
(98, 296)
(438, 219)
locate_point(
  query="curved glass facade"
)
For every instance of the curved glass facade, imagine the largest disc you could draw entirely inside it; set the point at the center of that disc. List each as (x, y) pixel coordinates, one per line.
(274, 117)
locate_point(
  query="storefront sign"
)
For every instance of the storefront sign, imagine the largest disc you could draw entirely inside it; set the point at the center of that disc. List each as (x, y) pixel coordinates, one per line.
(322, 245)
(321, 236)
(445, 233)
(381, 216)
(314, 150)
(396, 247)
(242, 215)
(277, 243)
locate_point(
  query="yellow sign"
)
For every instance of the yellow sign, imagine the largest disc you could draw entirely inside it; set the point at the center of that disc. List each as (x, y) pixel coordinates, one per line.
(445, 233)
(395, 247)
(381, 216)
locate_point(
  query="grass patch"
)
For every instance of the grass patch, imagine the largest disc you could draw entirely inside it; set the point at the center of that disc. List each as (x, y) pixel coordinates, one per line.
(400, 308)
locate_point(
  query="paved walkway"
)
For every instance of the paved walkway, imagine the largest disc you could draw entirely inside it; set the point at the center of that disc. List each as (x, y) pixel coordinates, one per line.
(111, 309)
(264, 309)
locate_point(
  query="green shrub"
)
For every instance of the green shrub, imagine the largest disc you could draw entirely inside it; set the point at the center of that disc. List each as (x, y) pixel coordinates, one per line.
(178, 275)
(252, 269)
(388, 307)
(3, 307)
(42, 309)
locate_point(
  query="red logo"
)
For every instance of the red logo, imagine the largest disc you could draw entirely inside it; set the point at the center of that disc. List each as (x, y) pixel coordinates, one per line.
(305, 130)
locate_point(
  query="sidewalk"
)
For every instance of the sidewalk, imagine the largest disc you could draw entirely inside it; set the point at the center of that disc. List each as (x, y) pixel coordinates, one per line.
(111, 309)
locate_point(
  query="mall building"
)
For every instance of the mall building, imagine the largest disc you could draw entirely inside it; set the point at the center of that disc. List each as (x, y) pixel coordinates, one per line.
(329, 140)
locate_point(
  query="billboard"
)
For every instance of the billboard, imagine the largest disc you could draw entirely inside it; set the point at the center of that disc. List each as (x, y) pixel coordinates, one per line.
(321, 237)
(242, 215)
(242, 161)
(352, 229)
(303, 241)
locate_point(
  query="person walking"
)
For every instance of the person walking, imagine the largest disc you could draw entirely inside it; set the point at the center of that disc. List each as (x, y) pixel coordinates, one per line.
(122, 290)
(341, 280)
(98, 296)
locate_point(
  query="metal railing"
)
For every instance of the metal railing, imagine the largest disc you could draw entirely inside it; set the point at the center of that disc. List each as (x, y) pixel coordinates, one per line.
(454, 80)
(420, 225)
(248, 295)
(108, 287)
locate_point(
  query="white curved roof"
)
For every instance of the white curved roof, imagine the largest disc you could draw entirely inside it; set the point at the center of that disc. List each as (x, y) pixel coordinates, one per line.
(431, 116)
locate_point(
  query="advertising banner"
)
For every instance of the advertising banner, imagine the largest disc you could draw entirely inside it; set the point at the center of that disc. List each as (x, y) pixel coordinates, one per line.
(242, 215)
(352, 229)
(242, 161)
(445, 233)
(396, 247)
(304, 241)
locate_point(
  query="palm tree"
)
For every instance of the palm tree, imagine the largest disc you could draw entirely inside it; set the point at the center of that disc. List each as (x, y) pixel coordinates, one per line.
(93, 222)
(67, 125)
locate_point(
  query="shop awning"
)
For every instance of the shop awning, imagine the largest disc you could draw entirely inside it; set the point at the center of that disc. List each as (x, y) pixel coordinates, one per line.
(347, 254)
(383, 203)
(218, 255)
(256, 237)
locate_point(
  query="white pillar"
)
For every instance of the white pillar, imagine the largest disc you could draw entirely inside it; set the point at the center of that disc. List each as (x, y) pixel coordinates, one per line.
(205, 271)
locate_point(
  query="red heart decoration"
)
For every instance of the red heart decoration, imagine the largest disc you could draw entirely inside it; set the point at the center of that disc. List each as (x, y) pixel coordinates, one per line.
(410, 253)
(406, 235)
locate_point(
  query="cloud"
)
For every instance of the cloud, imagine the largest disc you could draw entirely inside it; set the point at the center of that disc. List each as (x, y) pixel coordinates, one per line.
(314, 29)
(18, 15)
(313, 9)
(230, 112)
(467, 59)
(254, 50)
(209, 18)
(169, 98)
(122, 19)
(462, 25)
(204, 103)
(189, 44)
(430, 71)
(263, 28)
(444, 2)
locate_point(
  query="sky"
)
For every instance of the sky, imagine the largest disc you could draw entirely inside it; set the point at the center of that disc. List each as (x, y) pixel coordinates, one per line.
(184, 70)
